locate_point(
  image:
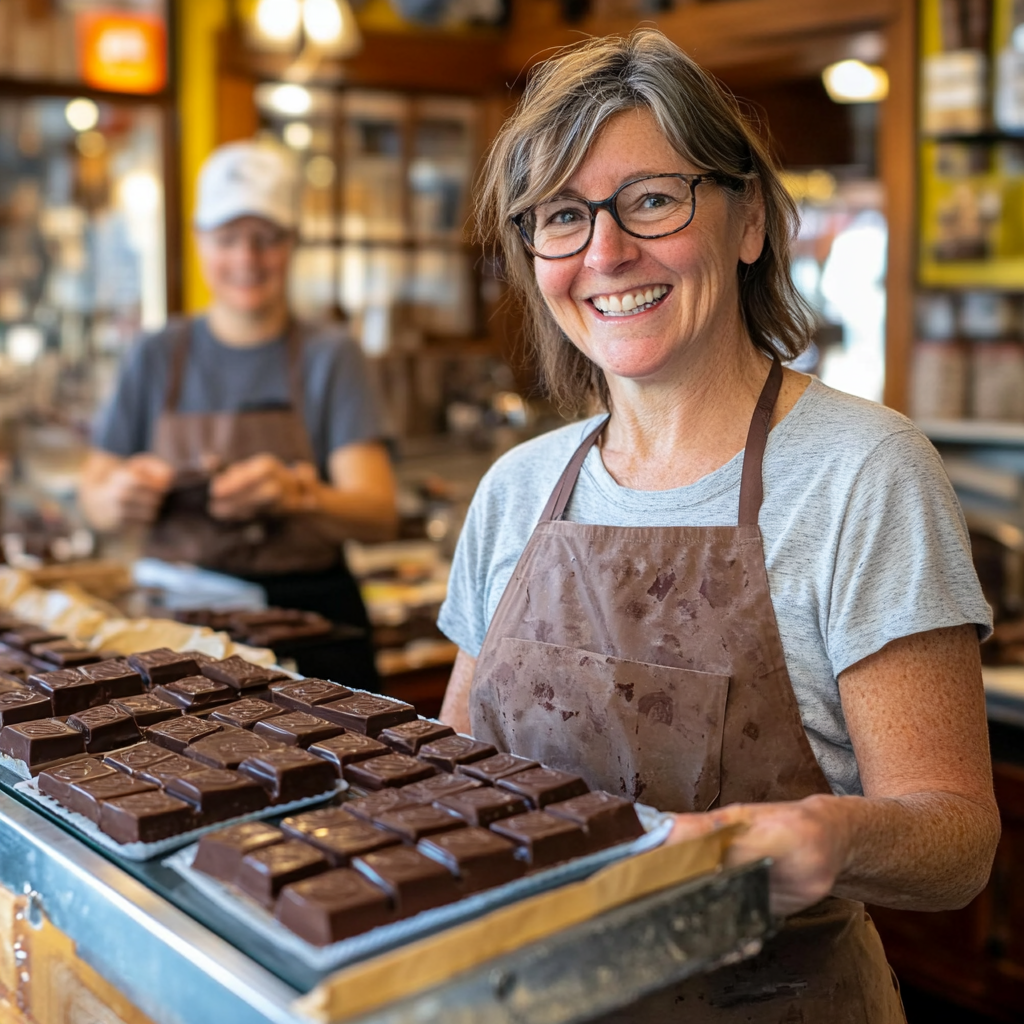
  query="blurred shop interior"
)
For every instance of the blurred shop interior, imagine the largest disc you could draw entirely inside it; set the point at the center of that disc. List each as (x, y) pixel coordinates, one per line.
(900, 126)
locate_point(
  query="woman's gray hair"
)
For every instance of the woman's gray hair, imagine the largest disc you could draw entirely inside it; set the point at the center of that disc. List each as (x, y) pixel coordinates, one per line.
(569, 98)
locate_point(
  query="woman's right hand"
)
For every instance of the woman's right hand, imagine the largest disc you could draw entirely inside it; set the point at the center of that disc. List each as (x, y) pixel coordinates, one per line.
(135, 489)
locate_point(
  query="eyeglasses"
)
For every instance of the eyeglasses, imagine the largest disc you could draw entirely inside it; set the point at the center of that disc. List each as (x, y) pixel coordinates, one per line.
(650, 207)
(261, 239)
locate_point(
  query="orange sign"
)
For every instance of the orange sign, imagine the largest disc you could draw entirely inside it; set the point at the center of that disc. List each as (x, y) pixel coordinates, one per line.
(122, 51)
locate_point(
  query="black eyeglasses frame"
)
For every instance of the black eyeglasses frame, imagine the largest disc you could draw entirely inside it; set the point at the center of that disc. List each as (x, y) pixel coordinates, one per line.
(693, 180)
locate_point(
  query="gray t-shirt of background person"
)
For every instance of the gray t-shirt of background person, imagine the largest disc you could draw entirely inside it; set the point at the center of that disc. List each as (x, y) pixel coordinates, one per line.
(341, 406)
(863, 537)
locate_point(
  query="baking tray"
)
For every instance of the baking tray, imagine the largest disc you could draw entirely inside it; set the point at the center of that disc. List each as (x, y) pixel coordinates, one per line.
(323, 959)
(148, 851)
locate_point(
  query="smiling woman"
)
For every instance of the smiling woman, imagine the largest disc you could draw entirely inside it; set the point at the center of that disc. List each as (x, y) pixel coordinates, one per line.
(731, 615)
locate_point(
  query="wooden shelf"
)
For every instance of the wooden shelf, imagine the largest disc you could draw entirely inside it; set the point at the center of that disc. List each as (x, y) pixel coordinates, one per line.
(1001, 274)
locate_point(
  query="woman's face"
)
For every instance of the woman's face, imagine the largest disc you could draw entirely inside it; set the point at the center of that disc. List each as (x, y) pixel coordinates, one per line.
(693, 271)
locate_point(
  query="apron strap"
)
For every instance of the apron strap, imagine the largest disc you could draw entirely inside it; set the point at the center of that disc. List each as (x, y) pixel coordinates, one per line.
(751, 484)
(181, 341)
(751, 487)
(293, 355)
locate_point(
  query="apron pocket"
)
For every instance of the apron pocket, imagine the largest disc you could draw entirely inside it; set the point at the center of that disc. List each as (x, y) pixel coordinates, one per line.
(647, 732)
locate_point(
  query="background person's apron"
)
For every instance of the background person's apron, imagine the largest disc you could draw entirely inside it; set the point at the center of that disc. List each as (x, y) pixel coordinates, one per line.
(648, 660)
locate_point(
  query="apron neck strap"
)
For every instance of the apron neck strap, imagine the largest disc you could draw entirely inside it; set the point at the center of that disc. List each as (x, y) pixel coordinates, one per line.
(293, 354)
(751, 488)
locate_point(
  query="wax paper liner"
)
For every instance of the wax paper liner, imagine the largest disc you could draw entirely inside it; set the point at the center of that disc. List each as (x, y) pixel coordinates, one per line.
(379, 940)
(147, 851)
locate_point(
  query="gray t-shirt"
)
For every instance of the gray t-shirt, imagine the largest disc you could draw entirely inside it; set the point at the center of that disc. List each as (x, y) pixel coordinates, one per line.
(863, 539)
(341, 406)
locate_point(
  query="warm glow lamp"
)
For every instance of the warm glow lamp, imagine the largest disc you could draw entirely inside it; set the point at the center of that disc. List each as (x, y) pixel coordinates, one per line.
(853, 81)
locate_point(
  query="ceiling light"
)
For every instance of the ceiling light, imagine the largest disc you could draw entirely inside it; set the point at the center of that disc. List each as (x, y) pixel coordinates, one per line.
(83, 115)
(853, 81)
(278, 20)
(322, 21)
(291, 99)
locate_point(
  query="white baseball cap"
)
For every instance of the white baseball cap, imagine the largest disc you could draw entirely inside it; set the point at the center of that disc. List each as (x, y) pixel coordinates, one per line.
(247, 179)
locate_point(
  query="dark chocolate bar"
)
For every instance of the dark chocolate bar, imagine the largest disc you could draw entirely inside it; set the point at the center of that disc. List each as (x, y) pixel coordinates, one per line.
(63, 653)
(220, 853)
(56, 782)
(368, 807)
(301, 826)
(484, 805)
(23, 637)
(174, 766)
(414, 882)
(145, 817)
(265, 872)
(477, 856)
(387, 771)
(304, 694)
(116, 677)
(195, 692)
(13, 665)
(543, 786)
(348, 748)
(542, 838)
(105, 728)
(228, 749)
(87, 797)
(162, 665)
(37, 742)
(296, 728)
(444, 784)
(245, 713)
(142, 755)
(68, 689)
(451, 751)
(147, 709)
(177, 733)
(333, 906)
(24, 706)
(290, 773)
(415, 823)
(9, 684)
(490, 769)
(408, 737)
(218, 793)
(366, 713)
(240, 674)
(606, 819)
(344, 839)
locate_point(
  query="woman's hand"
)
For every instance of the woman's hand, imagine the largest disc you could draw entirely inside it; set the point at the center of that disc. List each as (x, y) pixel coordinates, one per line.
(118, 492)
(260, 485)
(807, 840)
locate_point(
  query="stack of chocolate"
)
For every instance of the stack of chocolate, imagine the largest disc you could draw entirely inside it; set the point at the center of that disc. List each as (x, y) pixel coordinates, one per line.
(267, 628)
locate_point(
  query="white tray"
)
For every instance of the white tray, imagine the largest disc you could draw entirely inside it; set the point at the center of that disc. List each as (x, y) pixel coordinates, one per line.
(378, 940)
(146, 851)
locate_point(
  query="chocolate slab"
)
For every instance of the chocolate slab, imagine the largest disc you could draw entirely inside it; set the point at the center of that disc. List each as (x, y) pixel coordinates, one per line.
(40, 741)
(174, 766)
(9, 684)
(177, 733)
(490, 769)
(162, 665)
(296, 728)
(479, 858)
(388, 771)
(218, 793)
(484, 805)
(23, 706)
(145, 817)
(142, 755)
(415, 823)
(333, 906)
(290, 773)
(368, 807)
(348, 748)
(87, 797)
(147, 709)
(23, 637)
(444, 784)
(240, 674)
(606, 819)
(105, 728)
(245, 713)
(414, 882)
(195, 693)
(63, 653)
(10, 665)
(56, 782)
(408, 737)
(342, 841)
(304, 694)
(228, 749)
(264, 873)
(451, 751)
(220, 853)
(117, 678)
(543, 786)
(542, 838)
(68, 689)
(299, 826)
(366, 713)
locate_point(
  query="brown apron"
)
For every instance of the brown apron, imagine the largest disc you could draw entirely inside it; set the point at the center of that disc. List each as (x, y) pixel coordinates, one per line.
(198, 445)
(648, 659)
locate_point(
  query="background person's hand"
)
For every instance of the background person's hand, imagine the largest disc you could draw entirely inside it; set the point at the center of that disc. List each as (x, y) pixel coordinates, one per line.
(260, 485)
(136, 488)
(806, 840)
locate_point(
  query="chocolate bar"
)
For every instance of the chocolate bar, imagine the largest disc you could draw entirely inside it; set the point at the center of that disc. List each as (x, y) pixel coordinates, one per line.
(543, 786)
(297, 728)
(408, 737)
(333, 906)
(174, 766)
(37, 742)
(145, 817)
(490, 769)
(343, 840)
(477, 856)
(23, 637)
(450, 752)
(301, 826)
(307, 693)
(368, 807)
(289, 773)
(56, 782)
(195, 692)
(265, 872)
(25, 706)
(9, 684)
(414, 882)
(69, 691)
(87, 797)
(105, 728)
(429, 790)
(162, 665)
(245, 713)
(484, 805)
(218, 793)
(11, 665)
(348, 748)
(147, 708)
(605, 819)
(366, 713)
(142, 755)
(388, 771)
(542, 838)
(63, 653)
(240, 674)
(415, 823)
(227, 749)
(220, 853)
(116, 677)
(177, 733)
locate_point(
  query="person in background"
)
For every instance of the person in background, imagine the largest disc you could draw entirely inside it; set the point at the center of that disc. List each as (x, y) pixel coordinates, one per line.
(243, 441)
